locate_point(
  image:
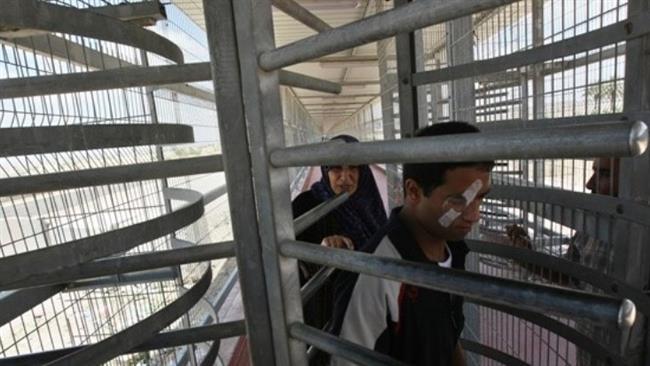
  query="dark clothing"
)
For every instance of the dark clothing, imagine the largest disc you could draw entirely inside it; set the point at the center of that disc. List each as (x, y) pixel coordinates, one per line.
(358, 218)
(412, 324)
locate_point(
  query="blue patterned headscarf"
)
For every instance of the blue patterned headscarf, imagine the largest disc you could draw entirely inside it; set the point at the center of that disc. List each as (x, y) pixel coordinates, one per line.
(363, 213)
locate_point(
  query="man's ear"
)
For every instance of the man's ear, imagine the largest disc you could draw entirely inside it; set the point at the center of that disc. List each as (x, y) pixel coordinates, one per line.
(412, 191)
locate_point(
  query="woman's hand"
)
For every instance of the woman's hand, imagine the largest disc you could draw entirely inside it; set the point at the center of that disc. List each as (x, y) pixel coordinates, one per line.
(337, 241)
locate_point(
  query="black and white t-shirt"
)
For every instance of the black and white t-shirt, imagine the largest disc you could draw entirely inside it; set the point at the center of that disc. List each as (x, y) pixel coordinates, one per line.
(412, 324)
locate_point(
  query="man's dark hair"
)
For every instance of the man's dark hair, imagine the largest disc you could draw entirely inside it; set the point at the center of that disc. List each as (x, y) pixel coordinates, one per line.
(431, 175)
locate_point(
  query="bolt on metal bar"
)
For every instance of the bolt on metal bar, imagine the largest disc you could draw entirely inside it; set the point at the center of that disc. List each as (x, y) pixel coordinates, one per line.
(299, 13)
(111, 175)
(415, 15)
(310, 217)
(617, 139)
(339, 347)
(607, 311)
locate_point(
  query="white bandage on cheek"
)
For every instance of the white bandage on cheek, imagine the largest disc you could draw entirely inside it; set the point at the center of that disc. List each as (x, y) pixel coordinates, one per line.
(470, 194)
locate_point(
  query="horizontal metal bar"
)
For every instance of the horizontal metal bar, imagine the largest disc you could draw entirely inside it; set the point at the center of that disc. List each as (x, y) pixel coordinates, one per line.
(47, 261)
(312, 216)
(617, 208)
(214, 194)
(515, 124)
(125, 279)
(104, 79)
(125, 340)
(110, 175)
(609, 285)
(15, 302)
(299, 13)
(119, 266)
(567, 332)
(33, 14)
(606, 311)
(288, 78)
(636, 26)
(340, 347)
(402, 19)
(585, 141)
(491, 353)
(161, 340)
(42, 140)
(130, 77)
(315, 283)
(145, 13)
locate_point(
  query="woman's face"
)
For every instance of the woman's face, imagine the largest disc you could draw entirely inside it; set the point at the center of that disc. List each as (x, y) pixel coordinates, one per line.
(343, 178)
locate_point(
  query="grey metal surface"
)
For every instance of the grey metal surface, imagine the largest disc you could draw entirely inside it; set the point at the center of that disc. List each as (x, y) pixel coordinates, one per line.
(312, 216)
(137, 334)
(587, 141)
(41, 140)
(33, 14)
(405, 47)
(298, 12)
(264, 120)
(123, 265)
(617, 208)
(554, 300)
(62, 49)
(293, 79)
(137, 77)
(635, 27)
(161, 340)
(15, 302)
(111, 175)
(47, 261)
(413, 16)
(220, 28)
(340, 347)
(104, 79)
(143, 13)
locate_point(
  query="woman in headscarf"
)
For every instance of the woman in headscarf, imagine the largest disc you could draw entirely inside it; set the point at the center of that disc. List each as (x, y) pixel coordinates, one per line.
(349, 226)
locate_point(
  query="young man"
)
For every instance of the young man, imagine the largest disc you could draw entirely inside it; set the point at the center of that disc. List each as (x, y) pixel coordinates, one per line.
(413, 324)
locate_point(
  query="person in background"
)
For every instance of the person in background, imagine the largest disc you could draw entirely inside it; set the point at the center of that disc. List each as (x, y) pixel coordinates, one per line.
(583, 249)
(348, 226)
(416, 325)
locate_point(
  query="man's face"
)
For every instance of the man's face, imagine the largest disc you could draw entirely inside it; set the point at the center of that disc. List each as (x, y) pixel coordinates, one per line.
(344, 178)
(450, 200)
(604, 179)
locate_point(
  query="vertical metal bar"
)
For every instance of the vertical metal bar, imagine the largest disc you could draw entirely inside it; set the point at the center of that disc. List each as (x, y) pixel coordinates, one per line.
(220, 28)
(261, 94)
(631, 242)
(407, 65)
(460, 50)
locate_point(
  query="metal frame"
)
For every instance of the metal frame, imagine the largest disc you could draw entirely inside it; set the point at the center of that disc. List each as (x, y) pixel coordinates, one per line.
(255, 158)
